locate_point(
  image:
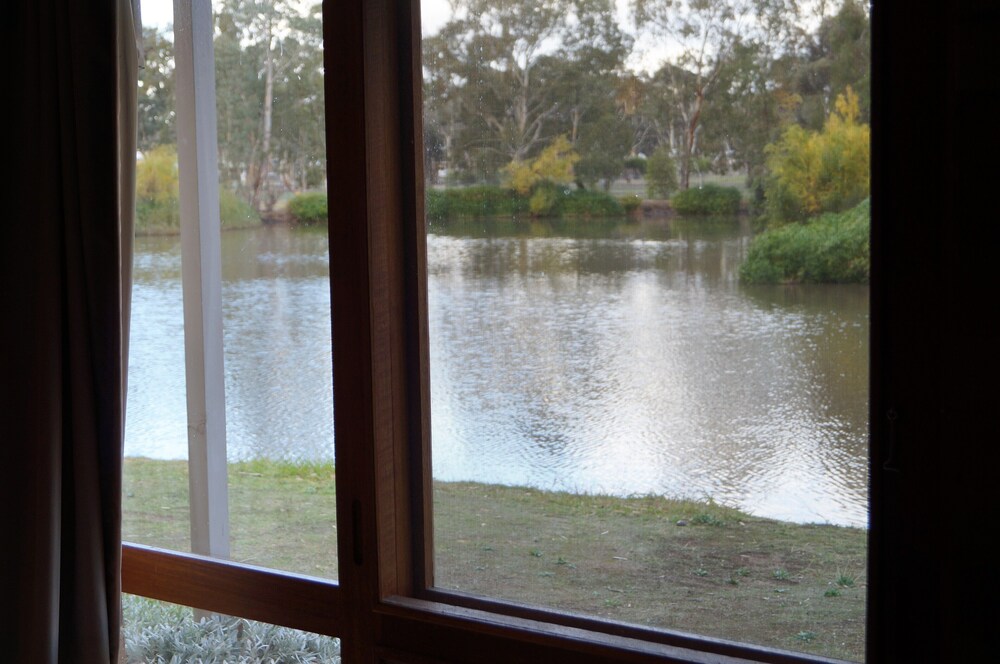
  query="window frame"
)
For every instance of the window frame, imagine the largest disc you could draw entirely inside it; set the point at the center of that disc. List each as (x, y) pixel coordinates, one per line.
(384, 607)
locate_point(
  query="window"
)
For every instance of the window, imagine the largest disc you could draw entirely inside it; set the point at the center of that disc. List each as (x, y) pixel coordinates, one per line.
(381, 607)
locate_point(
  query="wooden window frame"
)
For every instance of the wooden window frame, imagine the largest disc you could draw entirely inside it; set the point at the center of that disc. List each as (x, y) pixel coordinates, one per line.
(384, 607)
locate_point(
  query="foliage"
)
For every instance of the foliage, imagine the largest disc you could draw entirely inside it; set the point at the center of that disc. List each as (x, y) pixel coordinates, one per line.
(505, 77)
(813, 172)
(308, 208)
(554, 166)
(234, 211)
(157, 199)
(581, 203)
(544, 201)
(637, 164)
(837, 56)
(708, 36)
(709, 200)
(547, 200)
(602, 144)
(165, 633)
(832, 248)
(156, 189)
(630, 203)
(661, 174)
(475, 202)
(155, 93)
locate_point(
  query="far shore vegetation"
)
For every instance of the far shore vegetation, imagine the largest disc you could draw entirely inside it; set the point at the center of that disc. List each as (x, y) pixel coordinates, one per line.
(680, 564)
(814, 212)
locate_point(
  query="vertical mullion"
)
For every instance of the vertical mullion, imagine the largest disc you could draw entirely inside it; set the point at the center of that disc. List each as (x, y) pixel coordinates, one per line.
(201, 272)
(350, 294)
(415, 290)
(370, 150)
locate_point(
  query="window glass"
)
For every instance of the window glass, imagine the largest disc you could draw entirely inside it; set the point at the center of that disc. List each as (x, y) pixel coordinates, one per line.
(648, 312)
(275, 295)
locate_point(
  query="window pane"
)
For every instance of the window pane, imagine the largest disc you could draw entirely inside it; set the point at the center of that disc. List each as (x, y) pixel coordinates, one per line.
(275, 298)
(162, 632)
(628, 419)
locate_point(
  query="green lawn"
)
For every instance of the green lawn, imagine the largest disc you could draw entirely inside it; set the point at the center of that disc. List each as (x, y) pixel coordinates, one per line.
(723, 573)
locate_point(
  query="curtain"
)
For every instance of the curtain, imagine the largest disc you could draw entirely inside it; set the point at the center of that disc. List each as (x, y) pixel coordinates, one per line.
(66, 269)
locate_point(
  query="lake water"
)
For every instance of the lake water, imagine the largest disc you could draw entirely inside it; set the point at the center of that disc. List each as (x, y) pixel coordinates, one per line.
(587, 356)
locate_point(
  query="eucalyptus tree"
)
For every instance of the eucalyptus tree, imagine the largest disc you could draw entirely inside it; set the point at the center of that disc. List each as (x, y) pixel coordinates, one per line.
(836, 56)
(269, 96)
(511, 75)
(702, 38)
(155, 96)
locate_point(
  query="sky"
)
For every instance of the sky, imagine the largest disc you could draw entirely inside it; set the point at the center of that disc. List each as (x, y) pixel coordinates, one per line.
(648, 55)
(434, 14)
(160, 13)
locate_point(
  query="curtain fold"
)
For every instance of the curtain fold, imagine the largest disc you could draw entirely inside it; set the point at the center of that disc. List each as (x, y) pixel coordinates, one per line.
(66, 274)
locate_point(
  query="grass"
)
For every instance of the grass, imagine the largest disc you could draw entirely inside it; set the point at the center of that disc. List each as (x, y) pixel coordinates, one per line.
(624, 559)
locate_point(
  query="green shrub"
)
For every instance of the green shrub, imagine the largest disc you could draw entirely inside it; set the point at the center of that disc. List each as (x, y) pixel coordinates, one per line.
(831, 248)
(474, 202)
(156, 190)
(544, 202)
(630, 203)
(661, 174)
(157, 215)
(584, 203)
(436, 204)
(814, 172)
(157, 205)
(637, 164)
(234, 211)
(308, 208)
(710, 199)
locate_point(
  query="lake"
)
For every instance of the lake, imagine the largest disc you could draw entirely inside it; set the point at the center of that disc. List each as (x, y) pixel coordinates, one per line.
(589, 355)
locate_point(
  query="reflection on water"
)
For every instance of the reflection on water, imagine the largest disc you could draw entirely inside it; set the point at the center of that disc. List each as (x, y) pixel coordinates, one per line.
(276, 320)
(592, 356)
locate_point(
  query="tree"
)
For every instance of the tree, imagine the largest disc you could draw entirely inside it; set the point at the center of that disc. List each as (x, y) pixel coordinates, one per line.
(603, 145)
(269, 97)
(661, 174)
(512, 75)
(828, 171)
(553, 166)
(838, 55)
(705, 35)
(156, 188)
(155, 98)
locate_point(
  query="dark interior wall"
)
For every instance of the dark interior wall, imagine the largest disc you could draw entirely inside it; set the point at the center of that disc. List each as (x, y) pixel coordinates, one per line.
(934, 343)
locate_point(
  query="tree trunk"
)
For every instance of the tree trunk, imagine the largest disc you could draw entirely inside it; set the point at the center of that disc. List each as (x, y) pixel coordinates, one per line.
(265, 161)
(689, 138)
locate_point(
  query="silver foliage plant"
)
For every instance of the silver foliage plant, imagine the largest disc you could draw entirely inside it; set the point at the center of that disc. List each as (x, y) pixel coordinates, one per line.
(160, 633)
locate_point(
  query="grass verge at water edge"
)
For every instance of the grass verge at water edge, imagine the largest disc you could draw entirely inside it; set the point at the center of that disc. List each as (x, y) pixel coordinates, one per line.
(691, 566)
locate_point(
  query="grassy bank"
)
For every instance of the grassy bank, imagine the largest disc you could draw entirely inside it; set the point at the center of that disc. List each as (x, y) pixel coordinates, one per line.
(722, 573)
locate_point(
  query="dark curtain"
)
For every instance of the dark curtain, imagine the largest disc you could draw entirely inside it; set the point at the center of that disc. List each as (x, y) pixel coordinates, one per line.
(69, 96)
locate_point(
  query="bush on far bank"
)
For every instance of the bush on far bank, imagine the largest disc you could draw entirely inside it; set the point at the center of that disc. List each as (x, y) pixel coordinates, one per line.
(157, 200)
(489, 201)
(830, 248)
(707, 200)
(308, 208)
(234, 211)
